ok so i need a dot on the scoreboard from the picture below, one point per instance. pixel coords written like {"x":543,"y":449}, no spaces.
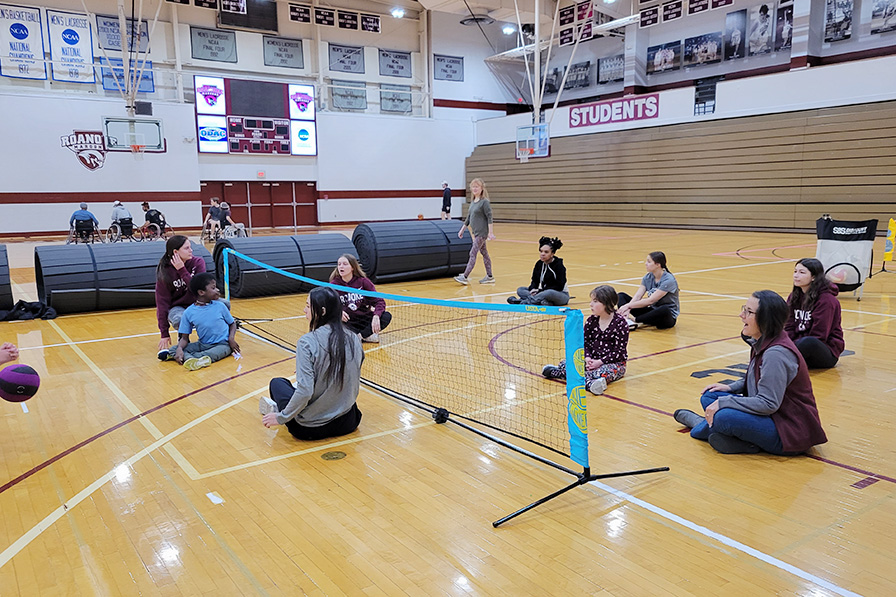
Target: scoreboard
{"x":237,"y":116}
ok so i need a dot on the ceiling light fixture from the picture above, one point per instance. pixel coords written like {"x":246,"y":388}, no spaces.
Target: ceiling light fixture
{"x":508,"y":29}
{"x":398,"y":12}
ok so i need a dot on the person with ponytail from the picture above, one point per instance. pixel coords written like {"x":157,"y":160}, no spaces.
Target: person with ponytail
{"x":656,"y":300}
{"x":548,"y":285}
{"x":324,"y":401}
{"x":173,"y":274}
{"x":814,"y":320}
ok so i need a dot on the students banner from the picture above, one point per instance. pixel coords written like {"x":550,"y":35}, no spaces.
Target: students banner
{"x":71,"y":47}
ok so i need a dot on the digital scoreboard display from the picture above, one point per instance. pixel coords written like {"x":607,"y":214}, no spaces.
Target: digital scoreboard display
{"x":237,"y":116}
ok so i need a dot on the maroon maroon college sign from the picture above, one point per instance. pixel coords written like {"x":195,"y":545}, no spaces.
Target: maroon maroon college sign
{"x":89,"y":146}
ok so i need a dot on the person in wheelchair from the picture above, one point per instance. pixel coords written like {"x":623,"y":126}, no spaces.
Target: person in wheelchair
{"x":154,"y":224}
{"x":232,"y":229}
{"x":212,"y":223}
{"x":84,"y":224}
{"x":122,"y":223}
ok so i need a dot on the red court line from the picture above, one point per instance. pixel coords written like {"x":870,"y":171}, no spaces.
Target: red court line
{"x":89,"y":440}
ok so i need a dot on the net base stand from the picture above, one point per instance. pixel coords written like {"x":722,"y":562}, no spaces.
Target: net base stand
{"x":584,"y":477}
{"x":884,"y":270}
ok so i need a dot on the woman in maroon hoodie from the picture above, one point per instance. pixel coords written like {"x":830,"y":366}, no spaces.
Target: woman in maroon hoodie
{"x":814,"y":320}
{"x":364,"y":315}
{"x":173,"y":274}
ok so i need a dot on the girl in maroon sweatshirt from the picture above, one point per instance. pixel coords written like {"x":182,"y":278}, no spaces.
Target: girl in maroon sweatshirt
{"x":364,"y":315}
{"x":175,"y":270}
{"x":814,"y":320}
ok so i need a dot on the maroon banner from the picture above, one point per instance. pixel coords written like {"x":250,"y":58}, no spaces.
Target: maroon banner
{"x":642,"y":107}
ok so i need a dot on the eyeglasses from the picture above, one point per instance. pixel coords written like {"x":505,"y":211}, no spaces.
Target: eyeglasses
{"x":744,"y":309}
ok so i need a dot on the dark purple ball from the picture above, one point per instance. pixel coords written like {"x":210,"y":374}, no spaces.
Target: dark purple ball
{"x":18,"y":383}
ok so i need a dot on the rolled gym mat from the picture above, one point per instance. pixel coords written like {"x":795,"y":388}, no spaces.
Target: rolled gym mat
{"x":311,"y":255}
{"x":98,"y":277}
{"x":5,"y":282}
{"x":411,"y":250}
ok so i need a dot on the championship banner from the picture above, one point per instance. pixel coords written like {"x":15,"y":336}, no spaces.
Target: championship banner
{"x":577,"y":407}
{"x":71,"y":46}
{"x":891,"y":240}
{"x":21,"y":43}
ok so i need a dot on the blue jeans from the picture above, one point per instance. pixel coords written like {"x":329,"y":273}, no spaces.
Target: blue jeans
{"x":759,"y":430}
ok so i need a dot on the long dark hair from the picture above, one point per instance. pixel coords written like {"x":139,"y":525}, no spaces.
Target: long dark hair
{"x":659,"y":257}
{"x":606,"y":295}
{"x":771,"y":314}
{"x":326,"y":309}
{"x":805,"y":300}
{"x":173,"y":244}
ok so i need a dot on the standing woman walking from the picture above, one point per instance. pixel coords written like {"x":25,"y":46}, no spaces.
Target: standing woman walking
{"x":479,"y":220}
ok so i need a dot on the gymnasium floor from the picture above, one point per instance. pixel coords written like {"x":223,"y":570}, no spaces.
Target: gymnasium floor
{"x":129,"y":476}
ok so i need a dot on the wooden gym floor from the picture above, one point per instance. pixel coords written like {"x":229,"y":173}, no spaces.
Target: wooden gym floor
{"x":126,"y":476}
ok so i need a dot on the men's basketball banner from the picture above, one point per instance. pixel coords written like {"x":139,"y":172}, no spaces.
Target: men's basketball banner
{"x":21,"y":43}
{"x":891,"y":240}
{"x":643,"y":107}
{"x":71,"y":45}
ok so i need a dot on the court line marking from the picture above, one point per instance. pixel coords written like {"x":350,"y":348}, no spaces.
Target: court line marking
{"x":724,"y":540}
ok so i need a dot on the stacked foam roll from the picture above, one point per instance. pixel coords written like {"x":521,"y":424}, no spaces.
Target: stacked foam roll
{"x":5,"y":282}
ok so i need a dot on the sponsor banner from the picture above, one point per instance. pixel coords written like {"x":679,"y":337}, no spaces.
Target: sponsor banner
{"x":211,"y":132}
{"x":303,"y":137}
{"x":21,"y":43}
{"x":210,"y":95}
{"x":71,"y":47}
{"x":301,"y":102}
{"x":628,"y":109}
{"x":108,"y":33}
{"x":114,"y":69}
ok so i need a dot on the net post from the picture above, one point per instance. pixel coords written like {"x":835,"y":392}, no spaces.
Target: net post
{"x":226,"y":253}
{"x":577,"y":404}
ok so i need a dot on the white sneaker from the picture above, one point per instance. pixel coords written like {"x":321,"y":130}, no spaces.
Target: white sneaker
{"x":487,"y":280}
{"x":195,"y":364}
{"x":462,"y":279}
{"x":267,"y":406}
{"x":374,"y":338}
{"x":598,"y":386}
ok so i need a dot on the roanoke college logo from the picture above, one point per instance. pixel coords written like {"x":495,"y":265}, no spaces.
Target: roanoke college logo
{"x":210,"y":93}
{"x":89,"y":146}
{"x":302,"y":100}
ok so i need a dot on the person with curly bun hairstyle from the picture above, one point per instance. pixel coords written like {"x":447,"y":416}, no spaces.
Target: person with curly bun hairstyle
{"x":548,"y":285}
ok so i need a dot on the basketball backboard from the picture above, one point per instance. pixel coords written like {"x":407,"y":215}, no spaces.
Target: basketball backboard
{"x":533,"y":141}
{"x":121,"y":133}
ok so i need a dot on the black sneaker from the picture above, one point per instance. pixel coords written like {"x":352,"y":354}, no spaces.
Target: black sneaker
{"x":728,"y":444}
{"x":551,"y":372}
{"x":514,"y":300}
{"x":164,"y":355}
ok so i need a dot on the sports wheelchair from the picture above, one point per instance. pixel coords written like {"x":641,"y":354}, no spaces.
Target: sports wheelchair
{"x":152,"y":231}
{"x":122,"y":229}
{"x":84,"y":231}
{"x":235,"y":231}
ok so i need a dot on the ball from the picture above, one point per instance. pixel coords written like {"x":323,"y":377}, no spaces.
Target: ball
{"x":419,"y":216}
{"x":18,"y":383}
{"x":837,"y":275}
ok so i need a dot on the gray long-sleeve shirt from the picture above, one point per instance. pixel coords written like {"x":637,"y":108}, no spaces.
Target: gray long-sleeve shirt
{"x":316,"y":400}
{"x":479,"y":217}
{"x":779,"y":367}
{"x":120,"y":212}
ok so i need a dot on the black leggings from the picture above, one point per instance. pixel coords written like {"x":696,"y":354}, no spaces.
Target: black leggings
{"x":282,"y":390}
{"x":364,"y":327}
{"x":660,"y":316}
{"x":816,"y":353}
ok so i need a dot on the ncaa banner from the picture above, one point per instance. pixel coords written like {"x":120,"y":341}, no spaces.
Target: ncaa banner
{"x":891,"y":240}
{"x":71,"y":47}
{"x":21,"y":43}
{"x":577,"y":408}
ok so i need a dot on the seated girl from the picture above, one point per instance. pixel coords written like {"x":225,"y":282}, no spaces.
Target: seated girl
{"x":548,"y":286}
{"x":606,"y":342}
{"x":364,"y":315}
{"x":773,"y":409}
{"x":814,"y":320}
{"x":656,"y":300}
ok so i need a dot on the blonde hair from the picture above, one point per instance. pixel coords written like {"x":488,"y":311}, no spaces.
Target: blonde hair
{"x":481,"y":184}
{"x":352,"y":261}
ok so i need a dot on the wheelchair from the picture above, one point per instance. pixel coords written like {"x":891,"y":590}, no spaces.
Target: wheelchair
{"x":208,"y":236}
{"x":84,"y":231}
{"x":153,"y":231}
{"x":235,"y":231}
{"x":120,"y":230}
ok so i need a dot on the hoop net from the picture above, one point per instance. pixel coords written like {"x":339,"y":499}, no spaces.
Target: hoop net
{"x":523,"y":153}
{"x":138,"y":151}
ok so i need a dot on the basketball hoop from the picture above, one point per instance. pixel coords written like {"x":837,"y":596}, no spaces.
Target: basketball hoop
{"x":138,"y":151}
{"x":523,"y":153}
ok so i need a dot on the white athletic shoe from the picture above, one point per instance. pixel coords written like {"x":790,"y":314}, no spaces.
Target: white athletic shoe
{"x":195,"y":364}
{"x":267,"y":406}
{"x":487,"y":280}
{"x":462,"y":279}
{"x":372,"y":338}
{"x":598,"y":386}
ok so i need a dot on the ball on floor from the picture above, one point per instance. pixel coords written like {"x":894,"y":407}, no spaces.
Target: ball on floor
{"x":18,"y":383}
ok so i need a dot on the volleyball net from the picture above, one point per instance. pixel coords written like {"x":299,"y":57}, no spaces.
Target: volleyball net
{"x":476,"y":362}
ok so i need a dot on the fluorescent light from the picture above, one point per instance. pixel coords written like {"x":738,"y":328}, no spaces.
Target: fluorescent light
{"x":508,"y":29}
{"x":398,"y":12}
